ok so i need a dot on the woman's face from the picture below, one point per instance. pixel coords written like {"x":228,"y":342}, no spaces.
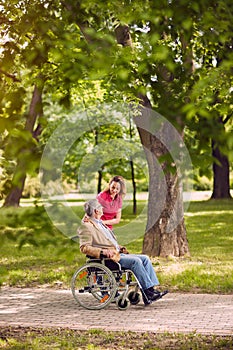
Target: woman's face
{"x":114,"y":188}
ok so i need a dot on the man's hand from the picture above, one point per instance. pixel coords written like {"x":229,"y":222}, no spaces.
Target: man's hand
{"x":124,"y":250}
{"x":108,"y":253}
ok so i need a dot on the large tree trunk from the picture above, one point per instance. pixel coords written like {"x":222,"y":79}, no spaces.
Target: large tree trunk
{"x":19,"y":177}
{"x":165,"y":231}
{"x":221,"y":172}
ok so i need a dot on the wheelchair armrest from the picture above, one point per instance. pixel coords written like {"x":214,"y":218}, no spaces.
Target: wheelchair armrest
{"x":93,"y":259}
{"x":112,"y":265}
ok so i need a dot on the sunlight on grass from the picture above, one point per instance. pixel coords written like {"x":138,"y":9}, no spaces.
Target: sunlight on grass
{"x":204,"y":213}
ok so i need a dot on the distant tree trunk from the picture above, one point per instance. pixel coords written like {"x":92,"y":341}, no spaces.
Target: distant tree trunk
{"x":221,"y":172}
{"x":99,"y":184}
{"x":19,"y":177}
{"x":221,"y":168}
{"x":15,"y":194}
{"x":132,"y":172}
{"x":134,"y":187}
{"x":100,"y":171}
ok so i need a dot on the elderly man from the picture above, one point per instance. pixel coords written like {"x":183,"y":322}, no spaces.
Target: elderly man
{"x":98,"y":241}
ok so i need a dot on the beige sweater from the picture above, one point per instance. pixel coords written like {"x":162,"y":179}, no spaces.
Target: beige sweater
{"x":93,"y":240}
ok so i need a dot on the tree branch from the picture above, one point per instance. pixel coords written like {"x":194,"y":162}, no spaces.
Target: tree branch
{"x":11,"y":76}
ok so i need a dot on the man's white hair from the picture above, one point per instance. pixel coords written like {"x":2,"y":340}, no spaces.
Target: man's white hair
{"x":90,"y":206}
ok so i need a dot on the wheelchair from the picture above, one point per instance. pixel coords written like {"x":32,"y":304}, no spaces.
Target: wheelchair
{"x":102,"y":281}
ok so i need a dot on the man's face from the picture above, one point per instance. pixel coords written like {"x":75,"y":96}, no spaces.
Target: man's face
{"x":99,"y":211}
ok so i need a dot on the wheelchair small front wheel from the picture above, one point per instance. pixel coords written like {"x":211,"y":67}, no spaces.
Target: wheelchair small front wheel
{"x":134,"y":297}
{"x":122,"y":303}
{"x":93,"y":286}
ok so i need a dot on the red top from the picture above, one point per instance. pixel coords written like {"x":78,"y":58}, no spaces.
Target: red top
{"x":110,"y":206}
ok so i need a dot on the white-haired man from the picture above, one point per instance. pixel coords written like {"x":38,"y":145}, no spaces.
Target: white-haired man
{"x":98,"y":241}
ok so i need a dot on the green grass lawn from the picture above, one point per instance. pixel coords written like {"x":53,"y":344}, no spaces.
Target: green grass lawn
{"x":210,"y":235}
{"x":96,"y":339}
{"x":47,"y":257}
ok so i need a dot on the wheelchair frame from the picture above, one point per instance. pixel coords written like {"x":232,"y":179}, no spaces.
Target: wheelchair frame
{"x":102,"y":281}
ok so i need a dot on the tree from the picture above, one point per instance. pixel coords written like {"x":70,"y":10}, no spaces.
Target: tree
{"x":211,"y":96}
{"x":22,"y":61}
{"x":176,"y":81}
{"x":221,"y":174}
{"x":165,"y":231}
{"x":32,"y":63}
{"x":181,"y":49}
{"x":24,"y":157}
{"x":221,"y":166}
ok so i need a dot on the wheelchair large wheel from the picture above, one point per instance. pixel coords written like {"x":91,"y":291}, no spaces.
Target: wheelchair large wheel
{"x":93,"y":286}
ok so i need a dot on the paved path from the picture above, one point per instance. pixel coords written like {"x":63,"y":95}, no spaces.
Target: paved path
{"x":185,"y":313}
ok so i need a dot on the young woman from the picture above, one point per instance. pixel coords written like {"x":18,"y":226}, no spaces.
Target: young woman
{"x":111,"y":200}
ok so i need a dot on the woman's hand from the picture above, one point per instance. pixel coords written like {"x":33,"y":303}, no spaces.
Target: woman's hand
{"x":85,"y":218}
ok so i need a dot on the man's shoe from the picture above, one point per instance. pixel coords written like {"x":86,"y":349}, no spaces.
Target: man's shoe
{"x":157,"y":296}
{"x":151,"y":289}
{"x":145,"y":299}
{"x":153,"y":295}
{"x":147,"y":296}
{"x":160,"y":294}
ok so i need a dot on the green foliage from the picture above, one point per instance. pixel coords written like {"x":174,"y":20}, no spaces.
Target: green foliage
{"x":32,"y":188}
{"x":72,"y":48}
{"x":37,"y":253}
{"x":202,"y":183}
